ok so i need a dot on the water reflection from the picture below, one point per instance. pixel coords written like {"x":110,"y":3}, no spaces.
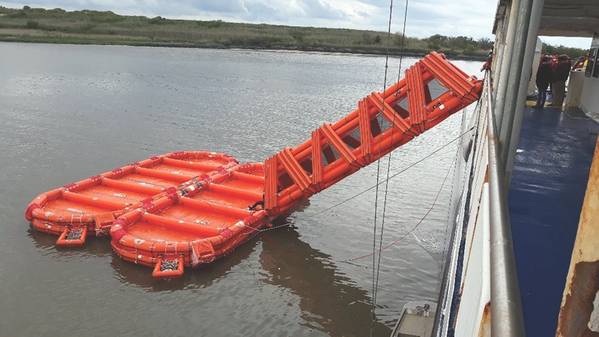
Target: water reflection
{"x":94,"y":246}
{"x":329,"y":300}
{"x":141,"y":276}
{"x":197,"y":278}
{"x":286,"y":261}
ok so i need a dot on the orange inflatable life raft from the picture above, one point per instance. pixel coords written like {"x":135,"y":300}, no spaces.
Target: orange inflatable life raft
{"x":198,"y":224}
{"x":194,"y":225}
{"x":175,"y":212}
{"x":89,"y":206}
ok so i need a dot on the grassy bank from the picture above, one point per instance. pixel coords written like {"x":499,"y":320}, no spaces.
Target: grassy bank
{"x":94,"y":27}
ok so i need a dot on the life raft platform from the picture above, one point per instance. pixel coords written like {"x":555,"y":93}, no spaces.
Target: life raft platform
{"x":184,"y":209}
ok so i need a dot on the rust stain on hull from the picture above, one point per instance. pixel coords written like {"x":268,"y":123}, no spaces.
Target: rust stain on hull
{"x":576,"y":312}
{"x":485,"y":322}
{"x":578,"y":315}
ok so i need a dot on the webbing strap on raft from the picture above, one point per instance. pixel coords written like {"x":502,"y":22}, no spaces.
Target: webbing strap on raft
{"x":379,"y":125}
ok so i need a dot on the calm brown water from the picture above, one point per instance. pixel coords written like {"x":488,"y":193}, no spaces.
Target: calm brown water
{"x":69,"y":112}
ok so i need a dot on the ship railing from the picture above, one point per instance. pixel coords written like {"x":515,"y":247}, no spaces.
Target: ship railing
{"x":480,"y":294}
{"x":506,"y":306}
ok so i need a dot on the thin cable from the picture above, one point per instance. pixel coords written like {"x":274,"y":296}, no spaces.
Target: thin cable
{"x":417,"y":239}
{"x":376,"y":201}
{"x":403,"y":40}
{"x":476,"y":112}
{"x":394,"y":242}
{"x":378,"y":170}
{"x":449,"y":209}
{"x":390,"y":153}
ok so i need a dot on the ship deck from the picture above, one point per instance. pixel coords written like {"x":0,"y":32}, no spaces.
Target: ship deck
{"x":545,"y":199}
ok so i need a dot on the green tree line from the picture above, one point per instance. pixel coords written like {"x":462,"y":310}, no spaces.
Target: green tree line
{"x":105,"y":27}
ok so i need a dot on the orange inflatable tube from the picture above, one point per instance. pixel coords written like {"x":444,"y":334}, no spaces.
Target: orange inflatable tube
{"x":94,"y":203}
{"x":197,"y":224}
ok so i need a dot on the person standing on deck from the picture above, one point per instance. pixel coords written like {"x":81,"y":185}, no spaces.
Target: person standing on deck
{"x":558,"y":86}
{"x":544,"y":77}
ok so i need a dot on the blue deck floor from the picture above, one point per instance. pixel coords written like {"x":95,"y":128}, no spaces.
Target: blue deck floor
{"x":548,"y":185}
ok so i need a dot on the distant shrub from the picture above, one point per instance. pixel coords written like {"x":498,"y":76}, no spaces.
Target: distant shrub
{"x":17,"y":14}
{"x":298,"y":35}
{"x":469,"y":49}
{"x":157,"y":20}
{"x":56,"y":13}
{"x":106,"y":17}
{"x":87,"y":27}
{"x":485,"y":43}
{"x":210,"y":24}
{"x":31,"y":24}
{"x":570,"y":51}
{"x":26,"y":8}
{"x":399,"y":39}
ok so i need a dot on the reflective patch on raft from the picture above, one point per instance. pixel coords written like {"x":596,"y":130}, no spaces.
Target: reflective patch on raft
{"x":169,"y":265}
{"x":74,"y":234}
{"x":74,"y":210}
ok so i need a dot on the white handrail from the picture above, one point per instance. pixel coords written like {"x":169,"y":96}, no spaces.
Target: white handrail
{"x":506,"y":307}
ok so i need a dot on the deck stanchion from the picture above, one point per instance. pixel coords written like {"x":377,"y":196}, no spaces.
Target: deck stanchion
{"x":531,"y":42}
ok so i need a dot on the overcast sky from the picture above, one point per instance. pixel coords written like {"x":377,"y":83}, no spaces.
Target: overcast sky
{"x":425,"y":17}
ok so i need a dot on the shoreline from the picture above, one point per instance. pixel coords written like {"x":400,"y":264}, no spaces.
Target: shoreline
{"x":317,"y":49}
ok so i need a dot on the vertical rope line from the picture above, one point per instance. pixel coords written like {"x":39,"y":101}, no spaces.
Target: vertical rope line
{"x":376,"y":197}
{"x":449,"y":212}
{"x":403,"y":40}
{"x":386,"y":190}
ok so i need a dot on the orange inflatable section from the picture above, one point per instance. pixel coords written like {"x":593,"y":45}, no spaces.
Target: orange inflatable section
{"x":189,"y":208}
{"x":89,"y":206}
{"x":381,"y":123}
{"x":194,"y":225}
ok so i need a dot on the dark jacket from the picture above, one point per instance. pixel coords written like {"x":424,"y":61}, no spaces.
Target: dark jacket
{"x":562,"y":71}
{"x":544,"y":74}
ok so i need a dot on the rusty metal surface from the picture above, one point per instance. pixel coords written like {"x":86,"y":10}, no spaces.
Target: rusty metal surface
{"x":579,"y":313}
{"x":576,"y":311}
{"x":485,"y":322}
